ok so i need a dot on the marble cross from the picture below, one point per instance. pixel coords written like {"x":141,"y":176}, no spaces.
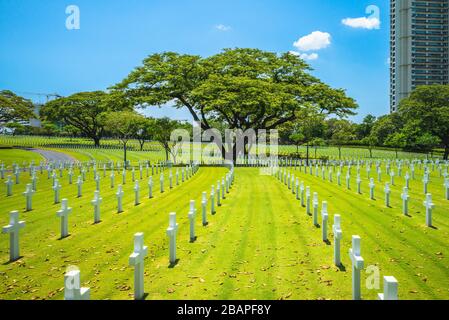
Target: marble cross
{"x":72,"y":287}
{"x":172,"y":230}
{"x":119,"y":196}
{"x":136,"y":193}
{"x":359,"y":181}
{"x":64,"y":215}
{"x":315,"y":209}
{"x":212,"y":201}
{"x":338,"y":234}
{"x":387,"y":191}
{"x":136,"y":259}
{"x":17,"y":175}
{"x":446,"y":188}
{"x":348,"y":181}
{"x":70,"y":176}
{"x":28,"y":194}
{"x":405,"y":198}
{"x":97,"y":182}
{"x":425,"y":183}
{"x":9,"y":183}
{"x":112,"y":179}
{"x":34,"y":181}
{"x":429,"y":205}
{"x":13,"y":229}
{"x":371,"y":188}
{"x":392,"y":177}
{"x":218,"y":194}
{"x":390,"y":289}
{"x":161,"y":180}
{"x":150,"y":187}
{"x":357,"y":266}
{"x":324,"y":218}
{"x":192,"y":216}
{"x":80,"y":186}
{"x":96,"y":202}
{"x":204,"y":208}
{"x":308,"y":200}
{"x":57,"y":188}
{"x":407,"y":180}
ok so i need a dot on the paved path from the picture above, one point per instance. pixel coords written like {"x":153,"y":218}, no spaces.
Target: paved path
{"x":53,"y":156}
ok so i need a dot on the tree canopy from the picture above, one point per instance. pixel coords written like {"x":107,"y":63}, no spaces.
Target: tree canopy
{"x":84,"y":110}
{"x":428,"y":108}
{"x":14,"y":108}
{"x":244,"y":88}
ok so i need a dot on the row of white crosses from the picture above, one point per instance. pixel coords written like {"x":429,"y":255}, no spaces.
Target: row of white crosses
{"x":172,"y":229}
{"x":390,"y":283}
{"x":428,"y":204}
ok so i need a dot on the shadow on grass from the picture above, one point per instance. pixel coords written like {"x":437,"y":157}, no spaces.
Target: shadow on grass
{"x":12,"y":261}
{"x":327,"y":242}
{"x":341,"y":267}
{"x":172,"y":265}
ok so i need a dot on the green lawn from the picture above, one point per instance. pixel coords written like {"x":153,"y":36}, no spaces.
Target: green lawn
{"x":259,"y":245}
{"x":9,"y":156}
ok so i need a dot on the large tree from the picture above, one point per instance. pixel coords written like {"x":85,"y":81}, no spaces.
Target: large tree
{"x":124,"y":125}
{"x":340,"y":132}
{"x":84,"y":111}
{"x":14,"y":108}
{"x":161,"y":131}
{"x":244,"y":88}
{"x":428,"y":107}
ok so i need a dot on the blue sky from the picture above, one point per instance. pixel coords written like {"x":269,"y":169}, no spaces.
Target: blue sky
{"x":39,"y":54}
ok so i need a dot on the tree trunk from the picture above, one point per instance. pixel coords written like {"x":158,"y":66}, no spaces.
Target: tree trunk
{"x":446,"y":152}
{"x":97,"y":142}
{"x":307,"y":156}
{"x":370,"y":153}
{"x":339,"y":153}
{"x":166,"y":154}
{"x":124,"y":154}
{"x":141,"y":144}
{"x":315,"y":151}
{"x":396,"y":153}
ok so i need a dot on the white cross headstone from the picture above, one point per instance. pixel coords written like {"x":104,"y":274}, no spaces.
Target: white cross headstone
{"x":97,"y":183}
{"x":204,"y":208}
{"x":371,"y":188}
{"x":119,"y":195}
{"x":348,"y":181}
{"x":112,"y":179}
{"x":218,"y":194}
{"x":297,"y":189}
{"x":57,"y":188}
{"x":2,"y":171}
{"x":170,"y":179}
{"x":80,"y":187}
{"x":133,"y":175}
{"x":172,"y":230}
{"x":70,"y":176}
{"x":124,"y":176}
{"x":136,"y":259}
{"x":28,"y":194}
{"x":446,"y":188}
{"x":405,"y":198}
{"x":64,"y":215}
{"x":407,"y":180}
{"x":392,"y":177}
{"x":315,"y":209}
{"x":359,"y":181}
{"x":9,"y":183}
{"x":136,"y":193}
{"x":192,"y":216}
{"x":387,"y":194}
{"x":425,"y":183}
{"x":429,"y":205}
{"x":17,"y":175}
{"x":96,"y":202}
{"x":301,"y":188}
{"x":150,"y":187}
{"x":338,"y":234}
{"x":308,"y":200}
{"x":72,"y":287}
{"x":324,"y":218}
{"x":223,"y":189}
{"x":357,"y":266}
{"x":13,"y":229}
{"x":390,"y":289}
{"x":212,"y":201}
{"x":161,"y":179}
{"x":339,"y":177}
{"x":379,"y":174}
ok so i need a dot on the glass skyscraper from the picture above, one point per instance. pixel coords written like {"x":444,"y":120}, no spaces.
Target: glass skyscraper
{"x":419,"y":46}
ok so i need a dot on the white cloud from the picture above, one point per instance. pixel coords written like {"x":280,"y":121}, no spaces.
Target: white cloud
{"x":315,"y":41}
{"x":222,"y":27}
{"x":362,"y":23}
{"x":305,"y":56}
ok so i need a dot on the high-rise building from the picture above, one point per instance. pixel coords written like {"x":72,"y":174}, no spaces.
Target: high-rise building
{"x":418,"y":46}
